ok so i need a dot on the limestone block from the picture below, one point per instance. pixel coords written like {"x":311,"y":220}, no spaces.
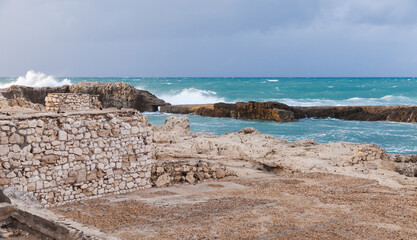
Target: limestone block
{"x":163,"y":180}
{"x":49,"y":159}
{"x":16,"y":138}
{"x":78,"y":151}
{"x":92,"y":176}
{"x":62,"y":135}
{"x":4,"y":150}
{"x":81,"y":176}
{"x":103,"y":133}
{"x":220,"y":173}
{"x":190,"y":177}
{"x":4,"y":181}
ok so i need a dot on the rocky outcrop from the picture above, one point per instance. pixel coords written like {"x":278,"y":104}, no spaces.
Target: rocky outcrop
{"x":118,"y":95}
{"x":32,"y":94}
{"x":174,"y":140}
{"x":251,"y":110}
{"x":283,"y":113}
{"x":361,"y":113}
{"x":18,"y":103}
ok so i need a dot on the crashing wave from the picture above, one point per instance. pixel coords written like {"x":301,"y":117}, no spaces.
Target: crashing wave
{"x":37,"y":79}
{"x":192,"y":96}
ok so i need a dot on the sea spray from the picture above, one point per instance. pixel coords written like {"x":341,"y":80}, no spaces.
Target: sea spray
{"x":37,"y":79}
{"x":192,"y":96}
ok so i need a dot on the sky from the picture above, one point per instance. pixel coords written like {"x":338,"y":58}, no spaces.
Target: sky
{"x":216,"y":38}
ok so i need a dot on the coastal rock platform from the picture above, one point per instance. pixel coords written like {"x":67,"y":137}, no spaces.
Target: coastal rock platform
{"x":174,"y":140}
{"x":283,"y":113}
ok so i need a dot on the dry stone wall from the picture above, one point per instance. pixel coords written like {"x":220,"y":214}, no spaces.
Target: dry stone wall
{"x":75,"y":155}
{"x":71,"y":101}
{"x":192,"y":171}
{"x":366,"y":154}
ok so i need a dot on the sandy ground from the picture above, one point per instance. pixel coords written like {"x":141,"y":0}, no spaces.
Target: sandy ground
{"x":280,"y":205}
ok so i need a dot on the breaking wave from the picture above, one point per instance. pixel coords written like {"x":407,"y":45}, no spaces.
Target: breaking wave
{"x":192,"y":96}
{"x":387,"y":100}
{"x":37,"y":79}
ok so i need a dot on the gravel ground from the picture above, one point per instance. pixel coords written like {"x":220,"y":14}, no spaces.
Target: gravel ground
{"x":283,"y":206}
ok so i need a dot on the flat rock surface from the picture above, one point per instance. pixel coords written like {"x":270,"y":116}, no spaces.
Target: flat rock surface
{"x":269,"y":206}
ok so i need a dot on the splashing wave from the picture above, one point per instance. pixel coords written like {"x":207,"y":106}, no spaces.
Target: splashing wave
{"x":37,"y":79}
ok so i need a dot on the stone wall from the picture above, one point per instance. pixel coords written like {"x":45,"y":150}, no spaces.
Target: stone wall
{"x":366,"y":154}
{"x":71,"y":101}
{"x":76,"y":155}
{"x":192,"y":171}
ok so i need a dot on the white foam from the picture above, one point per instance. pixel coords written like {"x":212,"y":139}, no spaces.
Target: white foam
{"x":273,"y":80}
{"x":387,"y":100}
{"x":37,"y":79}
{"x":192,"y":96}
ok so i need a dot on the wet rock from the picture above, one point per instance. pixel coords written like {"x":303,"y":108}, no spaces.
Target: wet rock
{"x":251,"y":110}
{"x":283,"y":113}
{"x":361,"y":113}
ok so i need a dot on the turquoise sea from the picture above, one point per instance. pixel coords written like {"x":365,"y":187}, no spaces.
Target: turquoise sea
{"x":394,"y":137}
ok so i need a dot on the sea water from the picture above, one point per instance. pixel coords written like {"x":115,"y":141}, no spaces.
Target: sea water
{"x":394,"y":137}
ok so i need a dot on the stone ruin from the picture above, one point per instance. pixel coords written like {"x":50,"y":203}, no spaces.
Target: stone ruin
{"x":71,"y":101}
{"x":68,"y":154}
{"x":75,"y":155}
{"x":73,"y":150}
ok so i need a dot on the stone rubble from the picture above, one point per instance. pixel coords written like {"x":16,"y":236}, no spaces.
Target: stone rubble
{"x":192,"y":171}
{"x":365,"y":154}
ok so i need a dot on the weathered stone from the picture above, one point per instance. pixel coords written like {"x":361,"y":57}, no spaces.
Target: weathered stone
{"x":163,"y":180}
{"x":100,"y":174}
{"x":31,"y":187}
{"x":220,"y":173}
{"x":160,"y":170}
{"x":103,"y":133}
{"x":70,"y":180}
{"x":81,"y":176}
{"x":4,"y":181}
{"x":190,"y":177}
{"x":200,"y":176}
{"x":92,"y":176}
{"x":4,"y":150}
{"x":115,"y":132}
{"x":78,"y":151}
{"x":16,"y":139}
{"x":50,"y":159}
{"x":62,"y":136}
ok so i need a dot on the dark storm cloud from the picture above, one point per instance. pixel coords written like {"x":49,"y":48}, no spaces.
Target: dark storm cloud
{"x":209,"y":38}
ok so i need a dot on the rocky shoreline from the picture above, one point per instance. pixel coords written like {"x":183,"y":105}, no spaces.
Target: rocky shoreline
{"x":280,"y":112}
{"x":65,"y":150}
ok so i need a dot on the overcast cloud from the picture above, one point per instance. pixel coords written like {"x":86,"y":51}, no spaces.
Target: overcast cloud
{"x":209,"y":38}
